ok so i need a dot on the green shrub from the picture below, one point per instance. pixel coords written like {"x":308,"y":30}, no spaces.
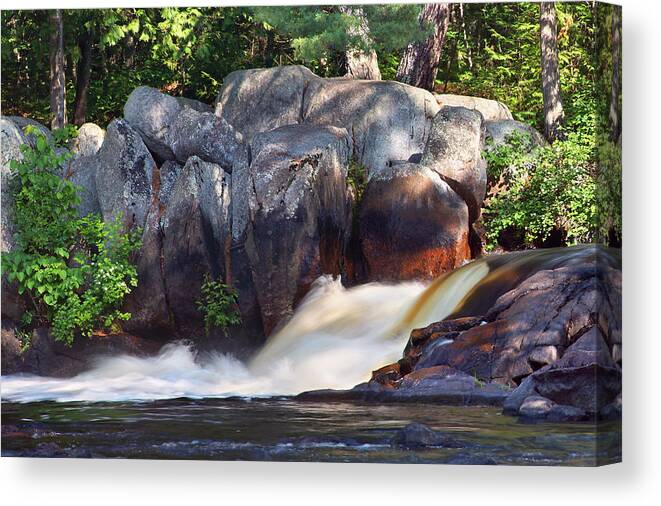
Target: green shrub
{"x":535,"y":191}
{"x":75,"y":272}
{"x":609,"y":190}
{"x":218,"y":305}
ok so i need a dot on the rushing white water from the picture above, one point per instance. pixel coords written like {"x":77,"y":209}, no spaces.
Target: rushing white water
{"x":335,"y":339}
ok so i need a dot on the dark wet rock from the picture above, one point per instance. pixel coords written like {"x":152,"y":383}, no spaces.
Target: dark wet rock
{"x":564,"y":413}
{"x":183,"y":241}
{"x":47,"y":357}
{"x":412,"y":225}
{"x":454,"y":150}
{"x":417,"y":435}
{"x":549,"y":309}
{"x":515,"y":399}
{"x":259,"y":100}
{"x":536,"y":406}
{"x":612,"y":411}
{"x":295,"y":213}
{"x":123,"y":175}
{"x":491,"y":110}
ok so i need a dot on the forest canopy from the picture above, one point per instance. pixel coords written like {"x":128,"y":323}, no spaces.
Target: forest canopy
{"x":558,"y":72}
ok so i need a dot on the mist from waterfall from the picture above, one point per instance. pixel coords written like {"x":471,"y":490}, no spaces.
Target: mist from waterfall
{"x":335,"y":339}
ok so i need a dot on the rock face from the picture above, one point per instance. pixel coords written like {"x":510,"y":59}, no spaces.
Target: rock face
{"x":123,"y":177}
{"x":259,"y":100}
{"x":151,"y":113}
{"x":185,"y":231}
{"x":547,"y":349}
{"x":498,"y":131}
{"x":412,"y":225}
{"x":454,"y":150}
{"x":89,"y":140}
{"x":491,"y":110}
{"x":81,"y":171}
{"x":296,"y":215}
{"x":47,"y":357}
{"x":204,"y":135}
{"x":11,"y":139}
{"x":387,"y":121}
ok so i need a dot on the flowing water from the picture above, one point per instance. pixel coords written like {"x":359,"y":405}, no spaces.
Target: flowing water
{"x":336,"y":337}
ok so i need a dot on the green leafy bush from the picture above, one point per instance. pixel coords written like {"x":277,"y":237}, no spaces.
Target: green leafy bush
{"x":218,"y":305}
{"x":75,"y":272}
{"x":534,"y":191}
{"x":609,"y":191}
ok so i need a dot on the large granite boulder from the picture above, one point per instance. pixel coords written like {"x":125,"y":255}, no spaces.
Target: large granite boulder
{"x":185,"y":238}
{"x":412,"y":225}
{"x":491,"y":110}
{"x":81,"y":171}
{"x":123,"y":176}
{"x":205,"y":135}
{"x":530,"y":326}
{"x":454,"y":150}
{"x":11,"y":139}
{"x":259,"y":100}
{"x":88,"y":141}
{"x":291,"y":214}
{"x":195,"y":227}
{"x":152,"y":113}
{"x":498,"y":131}
{"x":387,"y":121}
{"x":549,"y":348}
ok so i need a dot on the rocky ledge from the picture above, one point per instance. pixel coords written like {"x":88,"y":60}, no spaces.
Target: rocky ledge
{"x":550,"y":349}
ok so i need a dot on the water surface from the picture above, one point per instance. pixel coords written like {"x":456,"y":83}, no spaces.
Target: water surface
{"x":289,"y":430}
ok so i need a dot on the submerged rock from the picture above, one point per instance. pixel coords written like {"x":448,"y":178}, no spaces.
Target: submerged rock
{"x":417,"y":435}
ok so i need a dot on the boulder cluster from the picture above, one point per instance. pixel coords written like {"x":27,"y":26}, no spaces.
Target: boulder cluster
{"x":550,"y":349}
{"x":289,"y":177}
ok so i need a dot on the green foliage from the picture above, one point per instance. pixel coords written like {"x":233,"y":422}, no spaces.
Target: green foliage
{"x":357,"y":179}
{"x":608,"y":193}
{"x":319,"y":33}
{"x":75,"y":271}
{"x":218,"y":305}
{"x":536,"y":191}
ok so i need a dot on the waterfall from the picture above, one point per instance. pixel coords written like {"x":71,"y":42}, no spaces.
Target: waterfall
{"x":335,"y":338}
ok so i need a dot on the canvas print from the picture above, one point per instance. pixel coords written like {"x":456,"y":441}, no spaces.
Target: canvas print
{"x":340,"y":233}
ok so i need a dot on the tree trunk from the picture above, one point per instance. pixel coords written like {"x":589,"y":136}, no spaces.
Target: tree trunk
{"x":420,"y":60}
{"x":616,"y":83}
{"x":83,"y":77}
{"x":358,"y":63}
{"x":553,"y":111}
{"x":58,"y":104}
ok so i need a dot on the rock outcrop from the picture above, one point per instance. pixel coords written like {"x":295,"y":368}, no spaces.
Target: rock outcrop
{"x":454,"y":150}
{"x":89,"y":140}
{"x":548,"y":349}
{"x":387,"y":121}
{"x":123,"y":176}
{"x":412,"y":225}
{"x":259,"y":100}
{"x":497,"y":132}
{"x":297,"y":212}
{"x":491,"y":110}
